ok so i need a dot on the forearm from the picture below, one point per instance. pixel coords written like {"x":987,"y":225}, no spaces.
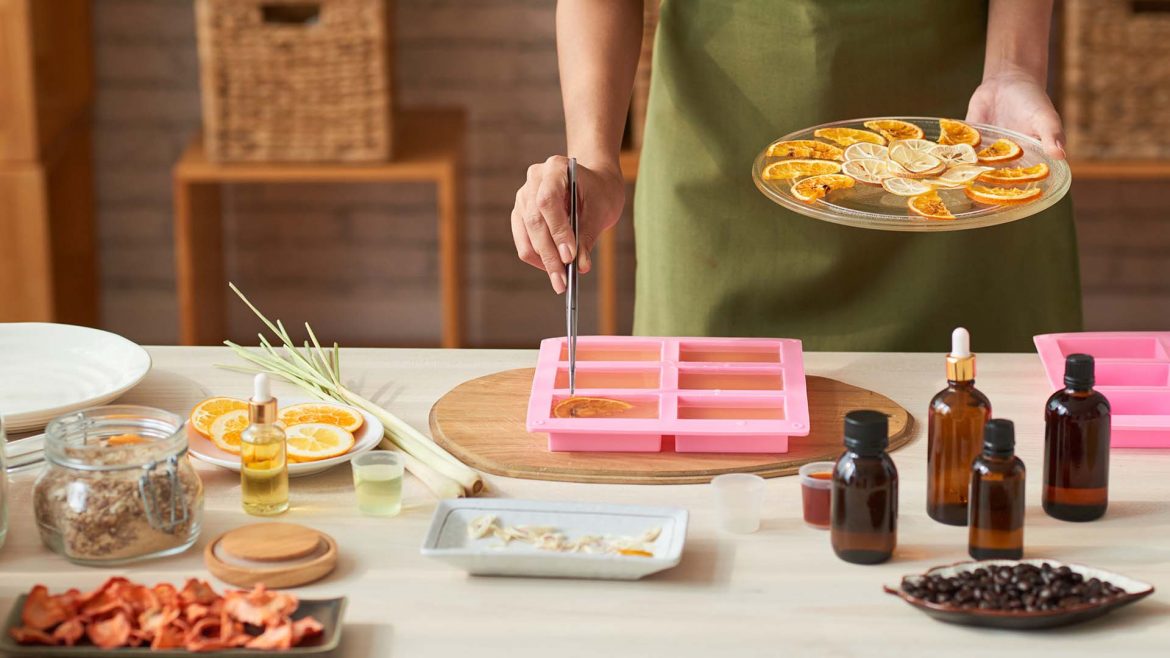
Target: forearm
{"x":1017,"y":38}
{"x":597,"y":48}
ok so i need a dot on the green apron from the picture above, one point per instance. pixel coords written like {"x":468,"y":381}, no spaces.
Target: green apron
{"x":716,"y":258}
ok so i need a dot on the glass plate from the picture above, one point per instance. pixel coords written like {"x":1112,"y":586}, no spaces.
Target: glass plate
{"x":870,"y":206}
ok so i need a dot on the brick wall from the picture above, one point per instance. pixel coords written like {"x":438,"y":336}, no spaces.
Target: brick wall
{"x":359,"y":262}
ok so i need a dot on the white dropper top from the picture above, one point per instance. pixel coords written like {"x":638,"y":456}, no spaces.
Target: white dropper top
{"x":960,"y":342}
{"x":261,"y":391}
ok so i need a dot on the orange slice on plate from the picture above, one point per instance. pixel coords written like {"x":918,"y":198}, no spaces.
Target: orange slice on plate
{"x":817,"y":187}
{"x":205,"y":413}
{"x":225,"y":430}
{"x":1001,"y":150}
{"x":582,"y":407}
{"x":957,"y":132}
{"x":804,"y":148}
{"x":1010,"y":175}
{"x":339,"y":415}
{"x":791,"y":169}
{"x":308,"y":442}
{"x":1002,"y":196}
{"x":929,"y":205}
{"x":847,"y":136}
{"x":893,"y":129}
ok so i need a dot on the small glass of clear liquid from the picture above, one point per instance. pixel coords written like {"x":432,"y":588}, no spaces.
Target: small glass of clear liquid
{"x":377,"y":477}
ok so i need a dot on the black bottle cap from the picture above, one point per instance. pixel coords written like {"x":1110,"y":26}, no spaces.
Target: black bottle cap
{"x":1078,"y":371}
{"x":867,"y":432}
{"x":999,"y":437}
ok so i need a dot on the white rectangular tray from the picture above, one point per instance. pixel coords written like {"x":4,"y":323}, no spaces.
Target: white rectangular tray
{"x":448,"y":539}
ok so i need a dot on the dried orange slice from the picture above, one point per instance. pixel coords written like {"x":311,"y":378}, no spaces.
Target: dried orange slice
{"x":805,"y":148}
{"x":893,"y":129}
{"x":929,"y":205}
{"x":790,"y":169}
{"x":225,"y":430}
{"x":315,"y":441}
{"x":207,"y":411}
{"x":871,"y":171}
{"x":1002,"y":196}
{"x":847,"y":136}
{"x":1001,"y":150}
{"x":906,"y":186}
{"x":816,"y":187}
{"x":1010,"y":175}
{"x":347,"y":418}
{"x":957,"y":132}
{"x":865,"y":151}
{"x":955,"y":154}
{"x":581,"y":407}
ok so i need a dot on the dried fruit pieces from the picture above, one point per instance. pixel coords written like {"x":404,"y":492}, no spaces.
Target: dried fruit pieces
{"x":1001,"y":150}
{"x":121,"y":613}
{"x":1010,"y":175}
{"x":930,"y":205}
{"x":847,"y":136}
{"x":804,"y":148}
{"x":893,"y":129}
{"x":957,"y":132}
{"x":582,"y":407}
{"x":817,"y":187}
{"x":1002,"y":196}
{"x":790,"y":169}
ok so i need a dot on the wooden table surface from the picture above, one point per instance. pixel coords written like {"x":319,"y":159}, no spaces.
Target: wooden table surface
{"x":780,"y":591}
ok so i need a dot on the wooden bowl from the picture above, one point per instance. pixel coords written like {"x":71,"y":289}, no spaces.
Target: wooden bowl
{"x":276,"y":554}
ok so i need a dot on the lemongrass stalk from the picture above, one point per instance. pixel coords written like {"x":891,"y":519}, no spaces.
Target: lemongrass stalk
{"x":439,"y":484}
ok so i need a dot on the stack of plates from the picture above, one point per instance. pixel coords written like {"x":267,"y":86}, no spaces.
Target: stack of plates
{"x":51,"y":369}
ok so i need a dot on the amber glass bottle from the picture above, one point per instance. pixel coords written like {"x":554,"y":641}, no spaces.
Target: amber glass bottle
{"x":954,"y":434}
{"x":997,"y":496}
{"x":1076,"y":446}
{"x":864,"y":501}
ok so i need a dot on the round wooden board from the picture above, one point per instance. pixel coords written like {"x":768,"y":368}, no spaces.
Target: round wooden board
{"x":482,"y":423}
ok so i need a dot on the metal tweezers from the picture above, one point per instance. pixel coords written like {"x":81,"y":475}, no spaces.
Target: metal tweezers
{"x":571,"y":281}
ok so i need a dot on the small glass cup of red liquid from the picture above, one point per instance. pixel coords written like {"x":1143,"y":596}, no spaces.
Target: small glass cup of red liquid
{"x":816,"y":484}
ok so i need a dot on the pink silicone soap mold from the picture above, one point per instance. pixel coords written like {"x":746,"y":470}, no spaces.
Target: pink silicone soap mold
{"x":1133,"y":372}
{"x":722,"y":395}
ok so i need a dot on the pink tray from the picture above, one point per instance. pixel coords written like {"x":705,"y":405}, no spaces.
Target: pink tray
{"x":1133,"y":371}
{"x":720,"y":395}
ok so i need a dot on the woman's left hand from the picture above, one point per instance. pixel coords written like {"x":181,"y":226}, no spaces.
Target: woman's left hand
{"x":1017,"y":101}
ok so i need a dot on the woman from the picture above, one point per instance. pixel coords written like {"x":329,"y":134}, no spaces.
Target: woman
{"x":717,"y":258}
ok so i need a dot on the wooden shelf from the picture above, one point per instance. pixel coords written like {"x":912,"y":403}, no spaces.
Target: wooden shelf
{"x":1122,"y":170}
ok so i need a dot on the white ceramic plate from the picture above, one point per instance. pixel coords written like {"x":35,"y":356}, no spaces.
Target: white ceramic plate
{"x":50,"y":369}
{"x":448,"y":539}
{"x":366,"y":438}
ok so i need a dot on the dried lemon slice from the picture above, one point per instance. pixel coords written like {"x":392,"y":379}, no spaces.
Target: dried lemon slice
{"x":790,"y":169}
{"x":960,"y":175}
{"x":905,"y":186}
{"x":916,"y":164}
{"x":929,"y":205}
{"x":816,"y":187}
{"x":865,"y":150}
{"x":918,"y":145}
{"x":955,"y":154}
{"x":893,"y":129}
{"x":805,"y":148}
{"x":847,"y":136}
{"x":867,"y":170}
{"x":582,"y":407}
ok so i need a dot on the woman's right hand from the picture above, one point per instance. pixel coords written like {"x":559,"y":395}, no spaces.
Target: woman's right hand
{"x":540,"y":220}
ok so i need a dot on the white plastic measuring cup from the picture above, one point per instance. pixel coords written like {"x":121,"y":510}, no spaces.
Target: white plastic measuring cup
{"x":739,"y":500}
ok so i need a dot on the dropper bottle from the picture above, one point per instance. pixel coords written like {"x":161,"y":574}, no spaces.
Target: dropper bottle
{"x":263,"y":461}
{"x":954,"y":435}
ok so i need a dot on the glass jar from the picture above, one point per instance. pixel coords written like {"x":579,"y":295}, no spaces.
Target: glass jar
{"x":118,"y":486}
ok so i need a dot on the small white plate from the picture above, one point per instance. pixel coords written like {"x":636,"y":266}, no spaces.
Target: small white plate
{"x":51,"y":369}
{"x":368,"y":436}
{"x":448,"y":539}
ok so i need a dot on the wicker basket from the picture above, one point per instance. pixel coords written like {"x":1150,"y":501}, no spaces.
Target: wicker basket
{"x":1117,"y":78}
{"x":295,"y":80}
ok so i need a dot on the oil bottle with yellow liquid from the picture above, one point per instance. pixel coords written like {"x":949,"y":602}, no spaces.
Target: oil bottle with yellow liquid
{"x":263,"y":460}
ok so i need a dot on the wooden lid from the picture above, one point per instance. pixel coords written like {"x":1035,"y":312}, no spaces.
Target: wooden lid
{"x":270,"y":542}
{"x":276,"y":554}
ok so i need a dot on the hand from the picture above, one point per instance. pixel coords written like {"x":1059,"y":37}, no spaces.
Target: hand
{"x":1017,"y":101}
{"x":540,"y":220}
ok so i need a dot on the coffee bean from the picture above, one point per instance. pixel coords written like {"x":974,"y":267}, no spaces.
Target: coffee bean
{"x":1022,"y":587}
